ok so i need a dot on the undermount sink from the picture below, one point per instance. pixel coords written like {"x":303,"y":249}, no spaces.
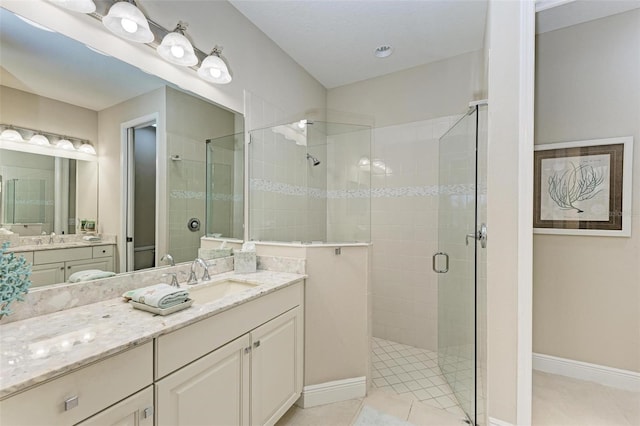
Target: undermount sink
{"x":217,"y":290}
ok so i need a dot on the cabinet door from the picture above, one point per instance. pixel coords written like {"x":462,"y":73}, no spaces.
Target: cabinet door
{"x":276,"y":367}
{"x":213,"y":390}
{"x":104,"y":264}
{"x":137,"y":410}
{"x":50,"y":273}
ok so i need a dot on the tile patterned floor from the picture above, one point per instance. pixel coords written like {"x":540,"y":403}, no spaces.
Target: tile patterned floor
{"x":412,"y":372}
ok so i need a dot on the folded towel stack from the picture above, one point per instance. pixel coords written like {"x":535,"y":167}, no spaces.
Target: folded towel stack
{"x":159,"y":296}
{"x":89,"y":274}
{"x":92,"y":238}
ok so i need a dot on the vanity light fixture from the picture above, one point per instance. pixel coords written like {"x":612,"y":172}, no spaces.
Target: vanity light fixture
{"x":127,"y":21}
{"x":82,"y":6}
{"x":65,"y":144}
{"x":87,"y":149}
{"x":11,"y":135}
{"x":214,"y":69}
{"x":38,"y":139}
{"x":176,"y":47}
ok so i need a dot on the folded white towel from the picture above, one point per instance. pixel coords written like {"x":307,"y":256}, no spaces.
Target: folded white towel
{"x":159,"y":296}
{"x":89,"y":274}
{"x":91,"y":238}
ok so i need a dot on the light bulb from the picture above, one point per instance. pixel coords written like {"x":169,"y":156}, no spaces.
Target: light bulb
{"x":215,"y":72}
{"x":128,"y":25}
{"x":177,"y":51}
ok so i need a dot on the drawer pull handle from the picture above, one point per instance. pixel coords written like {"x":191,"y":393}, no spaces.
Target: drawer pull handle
{"x":70,"y":403}
{"x":147,"y":412}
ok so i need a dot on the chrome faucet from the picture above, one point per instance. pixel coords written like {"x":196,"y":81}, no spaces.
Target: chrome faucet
{"x":168,"y":258}
{"x":205,"y":275}
{"x":53,"y":234}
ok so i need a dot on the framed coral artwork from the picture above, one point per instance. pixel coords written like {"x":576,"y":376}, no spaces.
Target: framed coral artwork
{"x":583,"y":187}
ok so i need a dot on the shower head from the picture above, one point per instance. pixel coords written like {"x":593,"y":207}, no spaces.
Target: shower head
{"x":313,"y":159}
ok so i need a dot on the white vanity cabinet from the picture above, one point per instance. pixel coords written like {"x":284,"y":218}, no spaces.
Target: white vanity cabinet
{"x":82,"y":393}
{"x":251,"y":380}
{"x":56,"y":266}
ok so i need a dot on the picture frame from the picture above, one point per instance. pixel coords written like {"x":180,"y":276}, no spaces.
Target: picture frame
{"x":583,"y":187}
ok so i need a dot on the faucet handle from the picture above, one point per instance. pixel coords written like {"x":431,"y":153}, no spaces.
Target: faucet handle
{"x":205,"y":275}
{"x":174,"y":278}
{"x":192,"y":278}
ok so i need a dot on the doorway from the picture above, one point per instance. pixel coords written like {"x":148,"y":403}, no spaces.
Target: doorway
{"x":140,"y":152}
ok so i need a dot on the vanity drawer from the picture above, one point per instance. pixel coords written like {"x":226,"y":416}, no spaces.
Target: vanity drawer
{"x":61,"y":255}
{"x":28,"y":255}
{"x":86,"y":391}
{"x":102,"y":251}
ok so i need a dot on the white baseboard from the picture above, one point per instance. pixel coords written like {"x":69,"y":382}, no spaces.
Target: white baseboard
{"x":329,"y":392}
{"x":608,"y":376}
{"x":497,"y":422}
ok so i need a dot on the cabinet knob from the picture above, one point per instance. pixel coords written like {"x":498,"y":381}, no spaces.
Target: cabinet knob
{"x":70,"y":403}
{"x":62,"y":268}
{"x":68,"y":267}
{"x":256,"y":344}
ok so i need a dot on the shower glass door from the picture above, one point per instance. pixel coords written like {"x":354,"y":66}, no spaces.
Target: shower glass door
{"x":456,"y":260}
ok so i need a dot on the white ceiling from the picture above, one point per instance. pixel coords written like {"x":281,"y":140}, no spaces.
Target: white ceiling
{"x":335,"y":40}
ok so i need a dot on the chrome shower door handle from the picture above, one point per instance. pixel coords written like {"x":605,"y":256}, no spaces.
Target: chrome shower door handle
{"x":481,"y":236}
{"x":446,"y":263}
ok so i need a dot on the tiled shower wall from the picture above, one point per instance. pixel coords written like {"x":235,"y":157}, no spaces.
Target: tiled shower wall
{"x":281,"y":180}
{"x":404,"y":220}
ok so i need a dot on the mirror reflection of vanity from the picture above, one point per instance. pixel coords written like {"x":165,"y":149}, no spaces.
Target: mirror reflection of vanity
{"x":90,"y":96}
{"x":42,"y":193}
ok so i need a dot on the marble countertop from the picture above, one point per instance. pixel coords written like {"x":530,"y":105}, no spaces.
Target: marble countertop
{"x":53,"y":246}
{"x":41,"y":348}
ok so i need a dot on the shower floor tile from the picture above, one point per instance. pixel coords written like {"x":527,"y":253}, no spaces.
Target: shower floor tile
{"x":411,"y":372}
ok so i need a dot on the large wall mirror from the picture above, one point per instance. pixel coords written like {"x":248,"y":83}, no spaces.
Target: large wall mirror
{"x":138,"y":123}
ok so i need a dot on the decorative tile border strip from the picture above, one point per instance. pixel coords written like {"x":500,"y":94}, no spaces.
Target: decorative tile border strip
{"x":187,"y":195}
{"x":199,"y":195}
{"x":403,"y":191}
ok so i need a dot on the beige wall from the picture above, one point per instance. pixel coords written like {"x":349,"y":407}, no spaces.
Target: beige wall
{"x":587,"y":289}
{"x":25,"y":109}
{"x":424,"y":92}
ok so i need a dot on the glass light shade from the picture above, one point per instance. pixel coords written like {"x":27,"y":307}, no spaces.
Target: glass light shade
{"x":214,"y":69}
{"x":87,"y":149}
{"x":82,"y":6}
{"x":177,"y":49}
{"x":11,"y":135}
{"x":39,"y":140}
{"x":127,"y":21}
{"x":65,"y":144}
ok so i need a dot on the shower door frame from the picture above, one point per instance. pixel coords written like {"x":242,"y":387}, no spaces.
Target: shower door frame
{"x":478,"y":235}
